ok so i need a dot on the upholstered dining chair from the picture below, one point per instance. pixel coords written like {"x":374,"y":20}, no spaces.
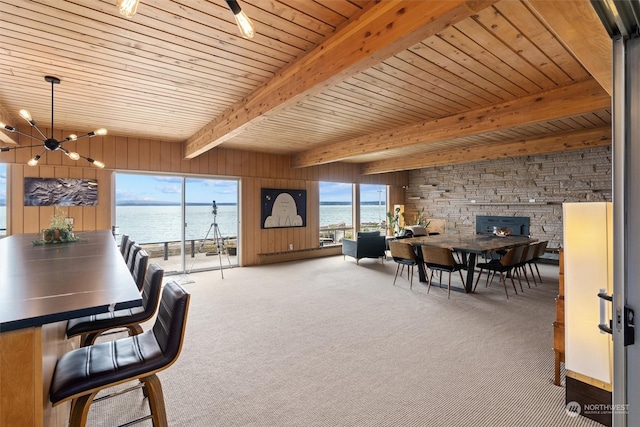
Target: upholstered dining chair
{"x":504,"y":265}
{"x":541,"y":248}
{"x":404,"y":255}
{"x":82,"y":373}
{"x":527,"y":257}
{"x":441,"y":259}
{"x":90,"y":327}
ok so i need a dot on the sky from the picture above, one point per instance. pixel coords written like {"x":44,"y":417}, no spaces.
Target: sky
{"x":157,"y":188}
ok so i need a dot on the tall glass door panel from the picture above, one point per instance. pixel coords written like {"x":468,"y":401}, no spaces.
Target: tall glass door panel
{"x":211,"y":218}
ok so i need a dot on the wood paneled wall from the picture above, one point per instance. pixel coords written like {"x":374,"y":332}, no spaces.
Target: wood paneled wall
{"x":255,"y":171}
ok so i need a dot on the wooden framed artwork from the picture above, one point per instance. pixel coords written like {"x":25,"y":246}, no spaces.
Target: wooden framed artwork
{"x":283,"y":208}
{"x":60,"y":192}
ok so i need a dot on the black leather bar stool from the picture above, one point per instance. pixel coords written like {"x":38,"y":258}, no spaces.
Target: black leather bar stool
{"x":131,"y":258}
{"x":127,"y":248}
{"x":82,"y":373}
{"x":123,"y":243}
{"x":90,"y":327}
{"x":140,"y":268}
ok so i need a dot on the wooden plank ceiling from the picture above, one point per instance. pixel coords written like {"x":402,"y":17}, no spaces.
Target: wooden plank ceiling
{"x":393,"y":85}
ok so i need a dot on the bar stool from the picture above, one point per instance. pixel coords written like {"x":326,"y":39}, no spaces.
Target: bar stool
{"x":131,"y":257}
{"x":82,"y":373}
{"x":123,"y":243}
{"x":140,"y":268}
{"x":127,"y":248}
{"x":90,"y":327}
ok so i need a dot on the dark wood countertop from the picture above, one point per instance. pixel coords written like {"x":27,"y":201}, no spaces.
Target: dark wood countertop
{"x":42,"y":284}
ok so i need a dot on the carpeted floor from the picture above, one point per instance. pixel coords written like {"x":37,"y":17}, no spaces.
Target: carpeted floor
{"x":327,"y":342}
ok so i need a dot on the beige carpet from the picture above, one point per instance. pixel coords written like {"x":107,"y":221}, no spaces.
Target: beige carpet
{"x":330,"y":343}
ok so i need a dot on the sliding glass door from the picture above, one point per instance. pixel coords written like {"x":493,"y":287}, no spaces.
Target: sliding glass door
{"x":173,"y":219}
{"x":211,"y":226}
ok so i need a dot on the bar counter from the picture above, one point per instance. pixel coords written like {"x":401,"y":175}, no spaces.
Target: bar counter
{"x":41,"y":287}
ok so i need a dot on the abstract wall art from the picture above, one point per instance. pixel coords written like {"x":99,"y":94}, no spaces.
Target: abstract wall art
{"x":60,"y":192}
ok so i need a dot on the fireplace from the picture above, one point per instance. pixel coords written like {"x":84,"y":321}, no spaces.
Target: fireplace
{"x":488,"y":224}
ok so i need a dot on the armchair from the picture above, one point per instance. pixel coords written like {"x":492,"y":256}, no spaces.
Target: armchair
{"x":367,"y":245}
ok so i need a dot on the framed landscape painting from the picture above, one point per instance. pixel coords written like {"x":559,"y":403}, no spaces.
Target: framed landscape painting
{"x":283,"y":208}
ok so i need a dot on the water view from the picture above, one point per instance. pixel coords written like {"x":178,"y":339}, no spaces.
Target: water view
{"x":154,"y":224}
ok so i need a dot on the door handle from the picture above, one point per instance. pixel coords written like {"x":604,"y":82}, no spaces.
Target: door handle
{"x":627,"y":321}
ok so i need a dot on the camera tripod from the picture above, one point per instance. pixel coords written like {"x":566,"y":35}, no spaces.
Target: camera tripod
{"x":216,"y":239}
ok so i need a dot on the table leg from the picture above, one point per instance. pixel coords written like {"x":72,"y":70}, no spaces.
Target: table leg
{"x":471,"y":267}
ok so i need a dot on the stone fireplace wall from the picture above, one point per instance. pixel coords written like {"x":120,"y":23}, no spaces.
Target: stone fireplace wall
{"x":533,"y":186}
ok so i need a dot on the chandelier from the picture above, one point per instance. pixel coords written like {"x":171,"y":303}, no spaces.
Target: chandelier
{"x":128,"y":8}
{"x":50,"y":144}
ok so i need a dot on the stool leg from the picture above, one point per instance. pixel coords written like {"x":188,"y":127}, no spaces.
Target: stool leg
{"x":80,"y":410}
{"x":156,"y":400}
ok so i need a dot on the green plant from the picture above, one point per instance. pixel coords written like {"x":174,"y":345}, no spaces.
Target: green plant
{"x":394,"y":220}
{"x":59,"y":220}
{"x":419,"y":219}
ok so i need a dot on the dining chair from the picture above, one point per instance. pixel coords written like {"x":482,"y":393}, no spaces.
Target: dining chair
{"x":504,"y":265}
{"x":403,"y":254}
{"x":91,"y":327}
{"x":82,"y":373}
{"x":541,"y":248}
{"x":527,"y":256}
{"x":441,"y":259}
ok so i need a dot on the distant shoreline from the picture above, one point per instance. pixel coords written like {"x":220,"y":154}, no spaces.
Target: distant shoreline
{"x":135,"y":203}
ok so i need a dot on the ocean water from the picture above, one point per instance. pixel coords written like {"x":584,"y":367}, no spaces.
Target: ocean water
{"x":151,"y":224}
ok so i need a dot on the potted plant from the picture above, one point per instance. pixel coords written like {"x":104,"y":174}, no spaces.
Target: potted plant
{"x":60,"y":229}
{"x":394,"y":221}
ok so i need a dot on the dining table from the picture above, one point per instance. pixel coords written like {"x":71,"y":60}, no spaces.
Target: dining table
{"x":469,"y":246}
{"x":41,"y":287}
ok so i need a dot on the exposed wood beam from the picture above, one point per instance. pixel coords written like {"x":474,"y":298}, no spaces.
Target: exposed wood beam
{"x":576,"y":23}
{"x":7,"y":119}
{"x":380,"y":31}
{"x":578,"y":98}
{"x":566,"y":141}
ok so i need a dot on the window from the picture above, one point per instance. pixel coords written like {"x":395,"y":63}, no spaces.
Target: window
{"x":336,"y":212}
{"x":373,"y":201}
{"x":152,"y":210}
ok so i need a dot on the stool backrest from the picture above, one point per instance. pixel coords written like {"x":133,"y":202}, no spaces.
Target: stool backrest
{"x":140,"y":268}
{"x":123,"y":243}
{"x":152,"y":288}
{"x":127,"y":249}
{"x":171,"y":321}
{"x":131,"y":259}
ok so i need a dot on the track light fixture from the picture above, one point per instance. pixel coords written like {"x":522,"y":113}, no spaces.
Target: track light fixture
{"x":51,"y":144}
{"x":127,"y":8}
{"x":244,"y":23}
